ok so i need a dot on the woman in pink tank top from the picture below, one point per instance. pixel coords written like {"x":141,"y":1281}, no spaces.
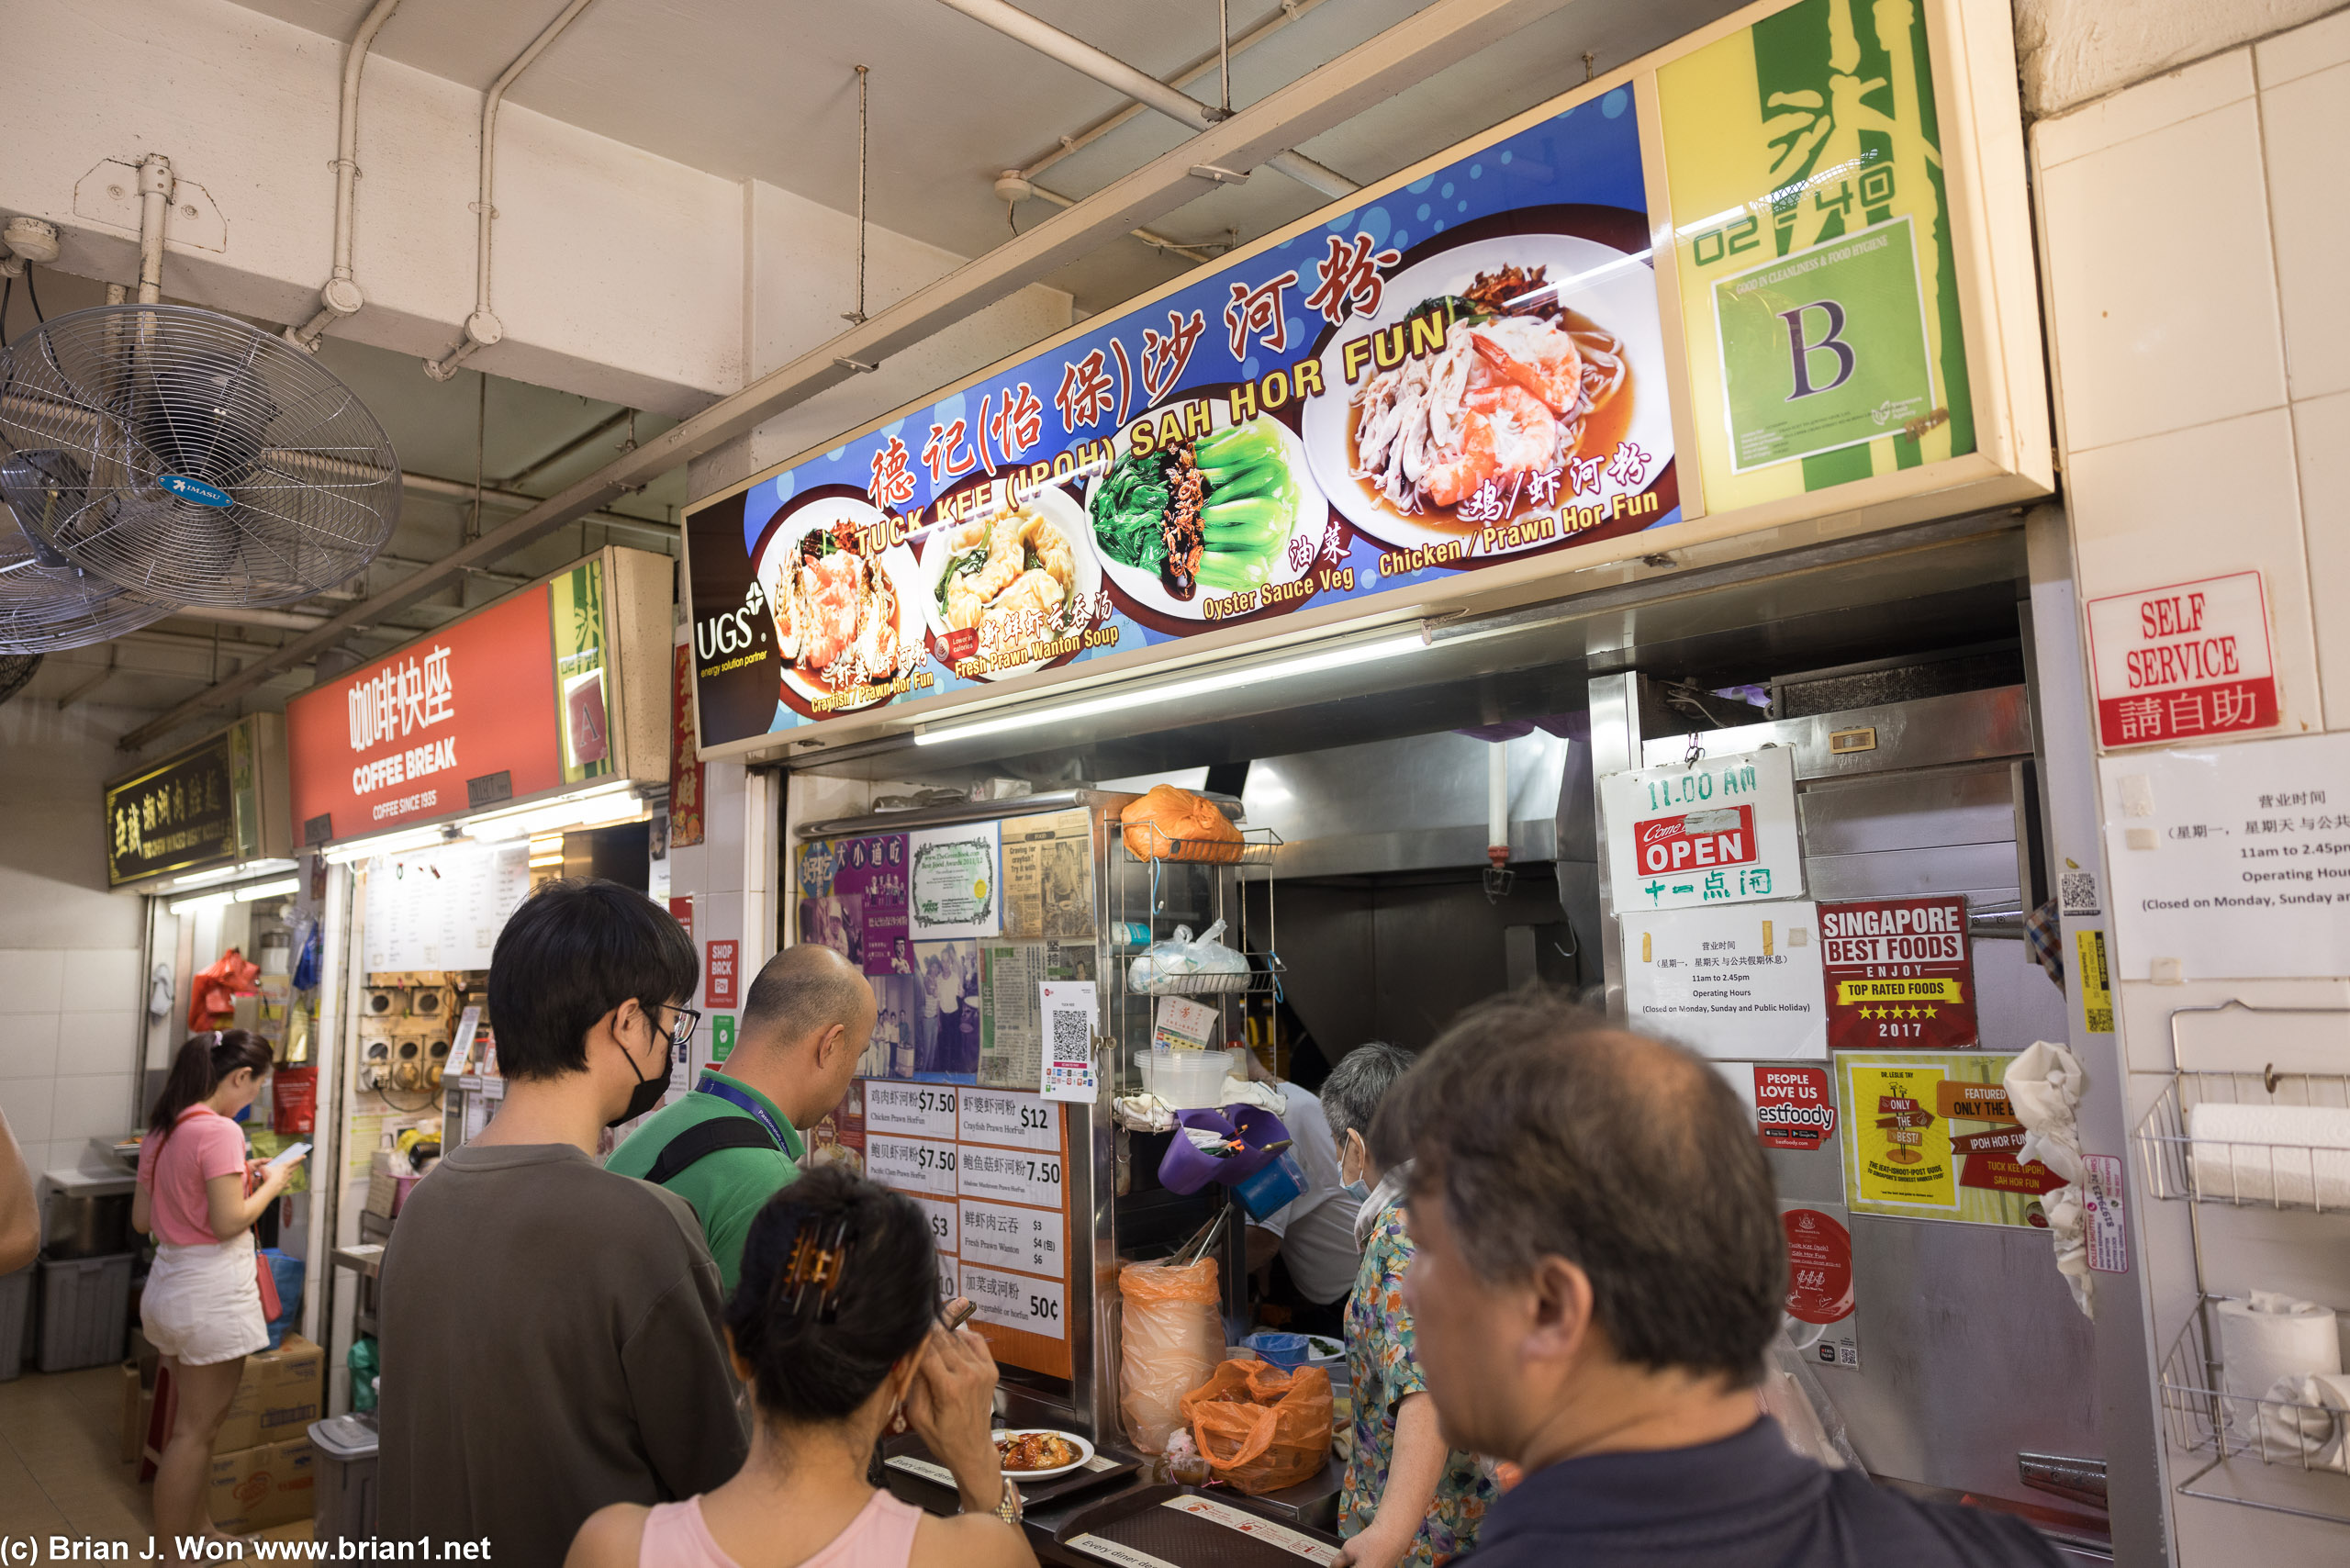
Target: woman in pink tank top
{"x":834,"y":1327}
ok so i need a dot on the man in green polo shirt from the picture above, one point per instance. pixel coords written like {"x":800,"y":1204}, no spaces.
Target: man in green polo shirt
{"x":734,"y":1142}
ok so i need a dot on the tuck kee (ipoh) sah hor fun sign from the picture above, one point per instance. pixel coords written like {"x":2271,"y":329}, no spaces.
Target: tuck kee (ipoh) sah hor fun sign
{"x":1467,"y":381}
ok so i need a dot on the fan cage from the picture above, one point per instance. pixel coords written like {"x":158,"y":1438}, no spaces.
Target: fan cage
{"x":146,"y":398}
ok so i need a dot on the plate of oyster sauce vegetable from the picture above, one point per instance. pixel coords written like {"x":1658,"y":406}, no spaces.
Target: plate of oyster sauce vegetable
{"x":1201,"y":520}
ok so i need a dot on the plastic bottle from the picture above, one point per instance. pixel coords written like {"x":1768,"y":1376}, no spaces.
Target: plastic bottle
{"x":363,"y":1370}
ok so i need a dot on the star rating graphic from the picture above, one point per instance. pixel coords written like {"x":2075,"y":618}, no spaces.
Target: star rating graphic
{"x":1899,"y":1012}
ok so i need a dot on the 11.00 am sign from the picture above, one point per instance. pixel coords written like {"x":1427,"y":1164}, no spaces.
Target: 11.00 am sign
{"x":1715,"y":831}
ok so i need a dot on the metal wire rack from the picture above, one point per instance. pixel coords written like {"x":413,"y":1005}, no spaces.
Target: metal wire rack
{"x":1195,"y":883}
{"x":2203,"y":1416}
{"x":2193,"y":1147}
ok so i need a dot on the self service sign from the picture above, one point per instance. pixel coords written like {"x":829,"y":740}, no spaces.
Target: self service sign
{"x":1714,"y":831}
{"x":2183,"y":661}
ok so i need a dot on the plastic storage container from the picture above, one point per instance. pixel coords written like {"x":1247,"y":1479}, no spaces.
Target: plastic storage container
{"x":1186,"y":1080}
{"x":84,"y":1308}
{"x":15,"y":1313}
{"x":347,"y":1448}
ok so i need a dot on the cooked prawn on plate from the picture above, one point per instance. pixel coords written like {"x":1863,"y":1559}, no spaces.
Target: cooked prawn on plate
{"x":837,"y":609}
{"x":1506,"y":395}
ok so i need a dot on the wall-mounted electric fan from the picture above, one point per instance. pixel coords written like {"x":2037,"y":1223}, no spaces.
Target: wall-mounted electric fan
{"x":190,"y":458}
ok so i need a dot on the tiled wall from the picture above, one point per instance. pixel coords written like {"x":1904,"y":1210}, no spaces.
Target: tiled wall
{"x":65,"y":1055}
{"x":2196,"y":228}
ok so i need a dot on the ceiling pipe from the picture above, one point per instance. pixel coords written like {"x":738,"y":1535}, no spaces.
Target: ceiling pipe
{"x":458,"y":489}
{"x":155,"y":185}
{"x":602,"y":427}
{"x":1291,"y":11}
{"x":282,"y":620}
{"x":1142,"y":87}
{"x":1012,"y":187}
{"x":483,"y":328}
{"x":340,"y":297}
{"x":1440,"y":34}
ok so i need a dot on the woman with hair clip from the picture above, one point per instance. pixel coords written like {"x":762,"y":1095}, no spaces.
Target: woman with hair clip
{"x":835,"y":1327}
{"x":198,"y":1196}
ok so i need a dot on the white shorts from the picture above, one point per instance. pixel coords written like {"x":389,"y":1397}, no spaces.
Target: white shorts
{"x":203,"y":1303}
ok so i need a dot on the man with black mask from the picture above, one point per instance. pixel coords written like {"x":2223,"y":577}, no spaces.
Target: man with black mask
{"x":550,"y":1330}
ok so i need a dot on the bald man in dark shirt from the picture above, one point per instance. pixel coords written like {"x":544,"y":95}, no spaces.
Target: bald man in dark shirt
{"x":1599,"y":1270}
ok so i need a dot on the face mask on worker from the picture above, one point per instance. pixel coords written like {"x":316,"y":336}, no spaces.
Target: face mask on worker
{"x":648,"y":1090}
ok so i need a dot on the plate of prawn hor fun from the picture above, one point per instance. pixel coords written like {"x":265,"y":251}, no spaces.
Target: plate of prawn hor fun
{"x":1499,"y":382}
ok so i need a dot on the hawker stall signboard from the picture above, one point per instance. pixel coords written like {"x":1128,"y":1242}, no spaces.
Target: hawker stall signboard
{"x":1900,"y":974}
{"x":524,"y":697}
{"x":200,"y":807}
{"x":1711,"y":831}
{"x":1458,"y":385}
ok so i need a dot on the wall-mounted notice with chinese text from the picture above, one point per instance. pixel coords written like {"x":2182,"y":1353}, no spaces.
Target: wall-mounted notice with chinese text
{"x":2230,"y":861}
{"x":212,"y":803}
{"x":2182,"y":663}
{"x":1741,"y":981}
{"x":1459,"y":383}
{"x":1716,"y":830}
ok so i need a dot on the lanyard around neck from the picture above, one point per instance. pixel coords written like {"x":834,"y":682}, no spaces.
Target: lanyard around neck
{"x":742,"y":1099}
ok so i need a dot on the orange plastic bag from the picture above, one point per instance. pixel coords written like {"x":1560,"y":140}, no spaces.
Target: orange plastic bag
{"x":1262,"y":1428}
{"x":1173,"y":1336}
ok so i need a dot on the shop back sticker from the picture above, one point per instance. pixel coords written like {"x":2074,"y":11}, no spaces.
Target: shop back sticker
{"x":1900,"y":974}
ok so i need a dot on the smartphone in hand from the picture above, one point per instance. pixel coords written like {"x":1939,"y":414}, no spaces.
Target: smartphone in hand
{"x":289,"y":1155}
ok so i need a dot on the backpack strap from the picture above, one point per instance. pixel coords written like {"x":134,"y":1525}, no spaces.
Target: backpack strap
{"x":705,"y":1138}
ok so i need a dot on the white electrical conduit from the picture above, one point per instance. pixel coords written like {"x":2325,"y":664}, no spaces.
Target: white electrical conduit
{"x":340,"y":297}
{"x":1142,"y":87}
{"x":1151,"y":237}
{"x":1497,"y":801}
{"x":483,"y":328}
{"x":1291,"y":11}
{"x":154,"y":211}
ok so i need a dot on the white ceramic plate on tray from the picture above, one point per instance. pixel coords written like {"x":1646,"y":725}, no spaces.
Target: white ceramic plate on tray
{"x":1084,"y":1451}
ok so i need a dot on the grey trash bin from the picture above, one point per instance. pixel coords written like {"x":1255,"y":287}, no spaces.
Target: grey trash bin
{"x":16,"y":1320}
{"x":84,"y":1311}
{"x":346,"y":1447}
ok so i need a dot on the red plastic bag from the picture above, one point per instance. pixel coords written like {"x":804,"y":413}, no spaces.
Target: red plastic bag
{"x":215,"y":991}
{"x":293,"y":1096}
{"x":1260,"y":1427}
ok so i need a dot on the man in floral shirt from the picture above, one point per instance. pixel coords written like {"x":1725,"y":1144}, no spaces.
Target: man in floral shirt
{"x":1407,"y":1501}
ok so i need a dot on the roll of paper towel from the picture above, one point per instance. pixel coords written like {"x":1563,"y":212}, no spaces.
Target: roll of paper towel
{"x":2301,"y":1422}
{"x":2270,"y":1337}
{"x":2263,"y":1153}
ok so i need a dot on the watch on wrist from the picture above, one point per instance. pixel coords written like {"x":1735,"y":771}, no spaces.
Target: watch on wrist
{"x":1013,"y":1508}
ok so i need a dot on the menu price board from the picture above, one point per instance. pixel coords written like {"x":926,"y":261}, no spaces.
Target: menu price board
{"x":1900,"y":974}
{"x":988,"y":1170}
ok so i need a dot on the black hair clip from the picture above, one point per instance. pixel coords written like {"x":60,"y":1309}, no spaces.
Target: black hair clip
{"x":815,"y":1268}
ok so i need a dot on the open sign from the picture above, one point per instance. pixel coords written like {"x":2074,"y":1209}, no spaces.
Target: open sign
{"x":1723,"y":836}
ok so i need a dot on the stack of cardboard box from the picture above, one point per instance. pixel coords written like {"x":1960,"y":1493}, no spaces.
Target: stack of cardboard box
{"x":262,"y":1466}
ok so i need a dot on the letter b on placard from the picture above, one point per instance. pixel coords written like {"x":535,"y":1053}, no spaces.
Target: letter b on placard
{"x":1832,"y":342}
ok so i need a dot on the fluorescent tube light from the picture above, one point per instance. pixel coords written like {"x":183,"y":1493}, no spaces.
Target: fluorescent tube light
{"x":278,"y":888}
{"x":1177,"y":691}
{"x":384,"y":843}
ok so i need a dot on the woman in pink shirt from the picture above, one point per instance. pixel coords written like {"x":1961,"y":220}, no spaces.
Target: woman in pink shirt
{"x":835,"y":1327}
{"x":198,"y":1196}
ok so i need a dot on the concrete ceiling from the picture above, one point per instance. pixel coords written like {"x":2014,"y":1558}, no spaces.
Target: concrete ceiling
{"x":750,"y":89}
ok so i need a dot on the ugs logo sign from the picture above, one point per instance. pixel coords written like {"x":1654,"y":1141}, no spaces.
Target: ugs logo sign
{"x":735,"y":631}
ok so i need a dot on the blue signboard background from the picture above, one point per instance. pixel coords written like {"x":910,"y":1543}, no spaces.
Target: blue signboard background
{"x":1564,"y":196}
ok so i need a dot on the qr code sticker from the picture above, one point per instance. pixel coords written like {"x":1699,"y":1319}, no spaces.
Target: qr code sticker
{"x":1073,"y":1038}
{"x":1848,"y":1353}
{"x":2076,"y":892}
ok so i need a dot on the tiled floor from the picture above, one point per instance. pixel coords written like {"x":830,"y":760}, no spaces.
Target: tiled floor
{"x":60,"y":1458}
